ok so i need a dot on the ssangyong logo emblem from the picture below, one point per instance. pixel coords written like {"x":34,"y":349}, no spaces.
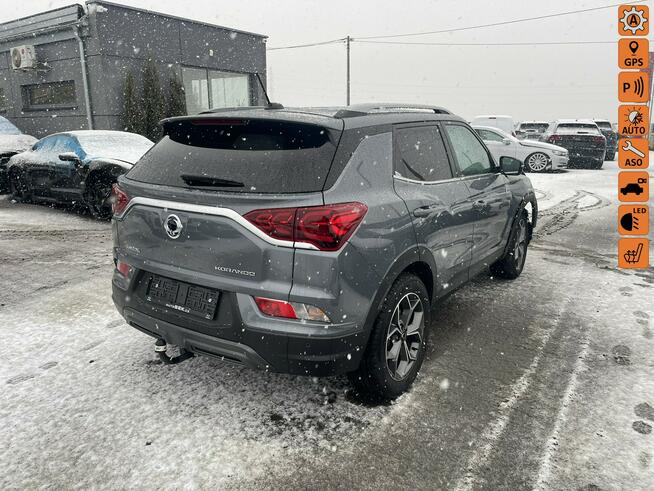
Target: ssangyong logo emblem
{"x":173,"y":226}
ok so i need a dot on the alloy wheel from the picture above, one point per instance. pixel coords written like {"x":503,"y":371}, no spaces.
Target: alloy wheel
{"x":404,"y":336}
{"x":537,"y":162}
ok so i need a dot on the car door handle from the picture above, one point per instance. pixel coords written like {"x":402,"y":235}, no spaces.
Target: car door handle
{"x":425,"y":211}
{"x":479,"y":205}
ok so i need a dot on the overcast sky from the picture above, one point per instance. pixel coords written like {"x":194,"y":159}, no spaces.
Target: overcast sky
{"x":527,"y":82}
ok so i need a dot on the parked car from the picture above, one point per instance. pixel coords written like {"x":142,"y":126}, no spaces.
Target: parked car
{"x":537,"y":156}
{"x":12,"y":141}
{"x":583,"y":139}
{"x":313,"y":242}
{"x":531,"y":130}
{"x":611,"y":137}
{"x":75,"y":167}
{"x":504,"y":123}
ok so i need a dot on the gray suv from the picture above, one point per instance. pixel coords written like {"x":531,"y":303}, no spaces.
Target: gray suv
{"x":313,"y":241}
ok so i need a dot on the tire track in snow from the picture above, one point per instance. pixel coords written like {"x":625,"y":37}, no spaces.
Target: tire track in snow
{"x":494,"y":431}
{"x":545,"y":470}
{"x":564,"y":213}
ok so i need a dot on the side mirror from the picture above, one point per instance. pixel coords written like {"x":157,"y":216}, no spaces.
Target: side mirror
{"x":70,"y":157}
{"x":511,"y":166}
{"x":506,"y":141}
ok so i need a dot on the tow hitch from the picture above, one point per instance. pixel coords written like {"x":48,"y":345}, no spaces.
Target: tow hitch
{"x":160,"y":347}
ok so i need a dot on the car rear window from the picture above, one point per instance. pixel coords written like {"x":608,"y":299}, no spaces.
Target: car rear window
{"x":604,"y":125}
{"x":534,"y":126}
{"x":577,"y":128}
{"x":240,"y":155}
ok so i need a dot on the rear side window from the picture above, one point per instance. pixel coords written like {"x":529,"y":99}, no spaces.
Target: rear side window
{"x":240,"y":155}
{"x":471,"y":156}
{"x":421,"y":154}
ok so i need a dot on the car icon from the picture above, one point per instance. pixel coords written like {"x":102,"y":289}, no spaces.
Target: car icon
{"x":632,"y":187}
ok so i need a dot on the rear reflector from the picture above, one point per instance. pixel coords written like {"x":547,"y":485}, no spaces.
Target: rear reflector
{"x":119,"y":200}
{"x":326,"y":227}
{"x":290,"y":310}
{"x":275,"y":308}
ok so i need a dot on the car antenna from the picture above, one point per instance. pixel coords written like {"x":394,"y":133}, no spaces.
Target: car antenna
{"x":269,"y":105}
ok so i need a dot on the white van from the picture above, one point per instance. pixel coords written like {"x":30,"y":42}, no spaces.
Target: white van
{"x":504,"y":123}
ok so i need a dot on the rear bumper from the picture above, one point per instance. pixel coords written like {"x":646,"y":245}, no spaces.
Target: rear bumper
{"x":300,"y":350}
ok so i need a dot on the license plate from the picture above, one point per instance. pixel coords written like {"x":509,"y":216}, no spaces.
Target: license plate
{"x":180,"y":296}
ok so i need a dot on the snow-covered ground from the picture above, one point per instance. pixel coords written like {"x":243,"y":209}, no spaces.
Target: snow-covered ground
{"x":545,"y":382}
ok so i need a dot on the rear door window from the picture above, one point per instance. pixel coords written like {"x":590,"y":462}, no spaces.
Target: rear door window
{"x":471,"y":156}
{"x":421,"y":154}
{"x":240,"y":155}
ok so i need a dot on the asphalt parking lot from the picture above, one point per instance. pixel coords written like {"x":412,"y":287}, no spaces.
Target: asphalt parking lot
{"x":545,"y":382}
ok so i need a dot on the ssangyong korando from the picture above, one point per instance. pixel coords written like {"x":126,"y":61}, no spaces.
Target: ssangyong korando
{"x":313,"y":241}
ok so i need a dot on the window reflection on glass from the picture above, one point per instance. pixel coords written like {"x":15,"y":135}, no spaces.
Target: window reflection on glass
{"x":229,"y":89}
{"x":206,"y":89}
{"x":54,"y":94}
{"x":195,"y":88}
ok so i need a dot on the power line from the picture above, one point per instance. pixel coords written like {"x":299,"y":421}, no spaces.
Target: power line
{"x":495,"y":24}
{"x":466,"y":28}
{"x":538,"y":43}
{"x":308,"y":45}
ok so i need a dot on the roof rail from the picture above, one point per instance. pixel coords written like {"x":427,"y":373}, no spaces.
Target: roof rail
{"x":394,"y":107}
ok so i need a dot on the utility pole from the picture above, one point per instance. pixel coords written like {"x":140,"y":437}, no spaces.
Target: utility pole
{"x":347,"y":44}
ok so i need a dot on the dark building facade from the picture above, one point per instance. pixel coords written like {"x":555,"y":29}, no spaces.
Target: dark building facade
{"x":82,"y":54}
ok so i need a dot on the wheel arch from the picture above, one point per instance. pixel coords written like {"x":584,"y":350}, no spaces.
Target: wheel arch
{"x":414,"y":261}
{"x":103,"y":167}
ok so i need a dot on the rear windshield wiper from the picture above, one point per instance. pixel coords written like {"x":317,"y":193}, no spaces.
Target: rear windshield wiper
{"x":209,"y":181}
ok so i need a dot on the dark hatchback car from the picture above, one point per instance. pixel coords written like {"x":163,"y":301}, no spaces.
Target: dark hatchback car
{"x":75,"y":167}
{"x":313,"y":241}
{"x":611,"y":137}
{"x":585,"y":143}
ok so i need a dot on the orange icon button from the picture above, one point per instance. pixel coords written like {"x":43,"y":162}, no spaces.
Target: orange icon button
{"x":633,"y":87}
{"x":633,"y":53}
{"x":633,"y":20}
{"x":633,"y":153}
{"x":633,"y":120}
{"x":633,"y":253}
{"x":633,"y":219}
{"x":633,"y":186}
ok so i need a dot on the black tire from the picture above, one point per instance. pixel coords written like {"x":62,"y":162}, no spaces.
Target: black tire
{"x":513,"y":262}
{"x":610,"y":155}
{"x":19,"y":187}
{"x":98,"y":194}
{"x":382,"y":378}
{"x":597,"y":164}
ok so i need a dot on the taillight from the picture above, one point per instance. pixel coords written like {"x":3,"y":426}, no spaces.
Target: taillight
{"x":600,"y":139}
{"x":554,"y":139}
{"x":276,"y":222}
{"x":119,"y":200}
{"x":326,"y":227}
{"x":124,"y":269}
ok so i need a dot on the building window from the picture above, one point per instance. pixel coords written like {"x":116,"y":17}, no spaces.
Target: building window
{"x":207,"y":89}
{"x":50,"y":95}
